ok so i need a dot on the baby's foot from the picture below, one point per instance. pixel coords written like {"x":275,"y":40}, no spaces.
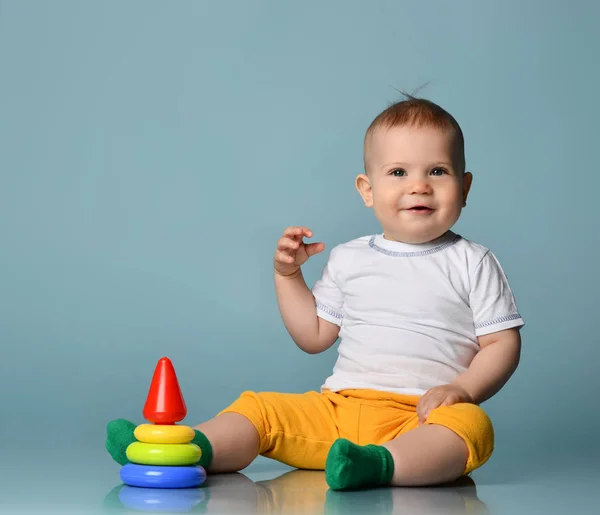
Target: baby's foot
{"x":356,"y":466}
{"x":119,"y":435}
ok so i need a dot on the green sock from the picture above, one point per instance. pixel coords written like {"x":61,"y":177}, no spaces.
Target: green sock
{"x":119,"y":435}
{"x":353,"y":466}
{"x":201,"y":441}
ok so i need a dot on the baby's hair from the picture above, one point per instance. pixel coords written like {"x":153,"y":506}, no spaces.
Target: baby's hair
{"x":418,"y":112}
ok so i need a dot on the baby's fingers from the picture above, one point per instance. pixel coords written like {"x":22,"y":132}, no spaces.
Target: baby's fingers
{"x":287,"y":244}
{"x":450,"y":400}
{"x":314,"y":248}
{"x":282,"y":257}
{"x":422,"y":407}
{"x":298,"y":232}
{"x":428,"y":402}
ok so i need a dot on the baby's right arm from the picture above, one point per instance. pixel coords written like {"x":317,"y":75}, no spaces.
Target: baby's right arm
{"x":296,"y":302}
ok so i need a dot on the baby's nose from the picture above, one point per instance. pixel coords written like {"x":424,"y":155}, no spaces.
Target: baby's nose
{"x":420,"y":187}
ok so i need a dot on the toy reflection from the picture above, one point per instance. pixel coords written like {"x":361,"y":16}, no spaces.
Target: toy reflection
{"x":297,"y":491}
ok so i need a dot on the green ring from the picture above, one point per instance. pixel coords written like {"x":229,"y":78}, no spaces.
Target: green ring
{"x":163,"y":453}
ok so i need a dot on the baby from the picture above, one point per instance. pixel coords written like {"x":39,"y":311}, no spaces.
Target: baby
{"x":427,"y":322}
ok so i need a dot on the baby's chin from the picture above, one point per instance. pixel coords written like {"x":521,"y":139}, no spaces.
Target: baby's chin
{"x":417,"y":229}
{"x":415,"y":236}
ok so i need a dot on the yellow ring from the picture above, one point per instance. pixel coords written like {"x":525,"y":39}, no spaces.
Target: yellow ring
{"x":152,"y":433}
{"x":163,"y":454}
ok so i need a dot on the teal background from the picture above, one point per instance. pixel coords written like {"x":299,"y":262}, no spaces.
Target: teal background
{"x":151,"y":154}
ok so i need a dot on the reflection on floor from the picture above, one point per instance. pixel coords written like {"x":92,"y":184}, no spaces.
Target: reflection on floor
{"x":296,"y":491}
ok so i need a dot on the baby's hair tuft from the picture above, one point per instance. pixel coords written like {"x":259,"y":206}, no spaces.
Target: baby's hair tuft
{"x":413,"y":111}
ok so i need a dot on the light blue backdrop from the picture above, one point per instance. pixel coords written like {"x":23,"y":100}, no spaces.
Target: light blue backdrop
{"x":151,"y":153}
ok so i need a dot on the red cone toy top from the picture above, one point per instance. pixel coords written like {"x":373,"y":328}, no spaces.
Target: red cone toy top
{"x":164,"y":404}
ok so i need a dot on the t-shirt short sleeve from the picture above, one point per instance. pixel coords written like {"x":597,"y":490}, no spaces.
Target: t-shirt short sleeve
{"x":328,"y":296}
{"x":491,"y":298}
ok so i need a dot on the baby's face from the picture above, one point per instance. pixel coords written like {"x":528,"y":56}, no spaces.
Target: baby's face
{"x":415,"y":183}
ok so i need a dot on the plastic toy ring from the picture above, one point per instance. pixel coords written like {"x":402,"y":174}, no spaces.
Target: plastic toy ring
{"x":161,"y":500}
{"x":151,"y":476}
{"x":163,"y":454}
{"x":151,"y":433}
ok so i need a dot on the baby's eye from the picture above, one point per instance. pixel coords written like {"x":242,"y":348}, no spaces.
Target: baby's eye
{"x":438,"y":171}
{"x":398,"y":172}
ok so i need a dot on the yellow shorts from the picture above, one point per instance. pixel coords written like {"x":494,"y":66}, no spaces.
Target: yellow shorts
{"x":298,"y":429}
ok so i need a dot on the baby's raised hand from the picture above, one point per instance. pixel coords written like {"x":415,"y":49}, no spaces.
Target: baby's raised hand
{"x":292,"y":252}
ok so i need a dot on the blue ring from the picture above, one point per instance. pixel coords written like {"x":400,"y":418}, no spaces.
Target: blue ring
{"x":162,"y":499}
{"x":156,"y":476}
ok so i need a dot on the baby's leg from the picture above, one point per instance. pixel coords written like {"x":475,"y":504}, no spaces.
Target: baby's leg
{"x":234,"y":442}
{"x":454,"y":441}
{"x":295,"y":429}
{"x":427,"y":455}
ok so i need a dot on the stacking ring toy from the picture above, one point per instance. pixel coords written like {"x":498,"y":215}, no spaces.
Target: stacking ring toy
{"x":151,"y":433}
{"x":161,"y":500}
{"x":151,"y":476}
{"x":163,"y":454}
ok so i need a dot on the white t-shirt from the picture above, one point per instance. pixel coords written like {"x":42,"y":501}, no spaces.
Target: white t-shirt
{"x":410,"y":314}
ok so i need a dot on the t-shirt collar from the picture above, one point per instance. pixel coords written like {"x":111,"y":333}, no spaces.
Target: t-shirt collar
{"x":379,"y":242}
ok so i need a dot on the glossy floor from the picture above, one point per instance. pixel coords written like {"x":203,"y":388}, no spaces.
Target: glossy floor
{"x":88,"y":482}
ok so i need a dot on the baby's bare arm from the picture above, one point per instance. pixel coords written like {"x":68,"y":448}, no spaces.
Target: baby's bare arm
{"x":493,"y":365}
{"x":299,"y":313}
{"x":296,"y":302}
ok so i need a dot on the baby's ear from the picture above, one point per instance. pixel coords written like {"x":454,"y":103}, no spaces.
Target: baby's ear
{"x":363,"y":185}
{"x":467,"y":181}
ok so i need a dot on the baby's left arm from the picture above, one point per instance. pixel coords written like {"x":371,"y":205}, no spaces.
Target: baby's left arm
{"x":492,"y":366}
{"x":494,"y":307}
{"x":489,"y":371}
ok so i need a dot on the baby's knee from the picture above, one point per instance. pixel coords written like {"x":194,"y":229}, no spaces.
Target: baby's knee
{"x":250,"y":405}
{"x":473,"y":425}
